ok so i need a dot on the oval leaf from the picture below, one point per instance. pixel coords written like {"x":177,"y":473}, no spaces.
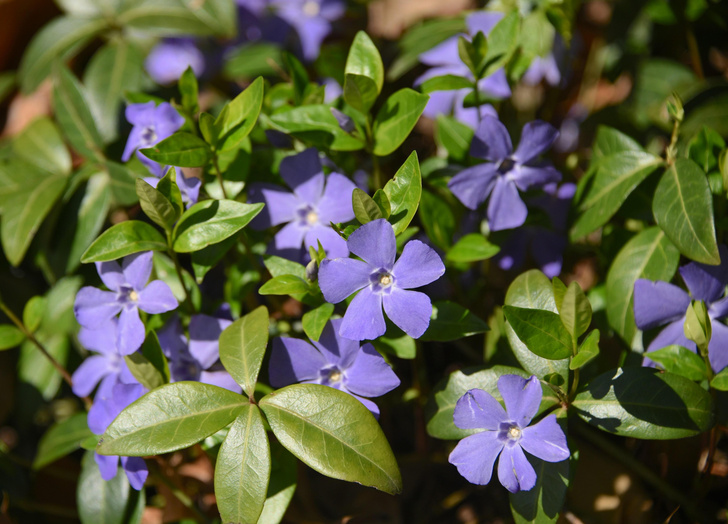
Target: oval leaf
{"x":210,"y":222}
{"x":242,"y":347}
{"x":61,"y":439}
{"x":472,"y":248}
{"x":181,"y":150}
{"x":404,"y":192}
{"x":542,"y":331}
{"x":124,"y":239}
{"x":396,"y":119}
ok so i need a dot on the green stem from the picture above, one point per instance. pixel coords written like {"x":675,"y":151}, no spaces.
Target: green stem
{"x":671,"y":151}
{"x":476,"y":95}
{"x":218,"y":173}
{"x":178,"y":268}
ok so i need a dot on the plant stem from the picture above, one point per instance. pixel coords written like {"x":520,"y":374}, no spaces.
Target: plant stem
{"x":178,"y":268}
{"x":218,"y":173}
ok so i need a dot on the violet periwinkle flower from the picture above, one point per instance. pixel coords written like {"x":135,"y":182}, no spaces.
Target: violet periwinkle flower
{"x":152,"y":124}
{"x":312,"y":20}
{"x":382,"y":281}
{"x":128,"y":294}
{"x":189,"y":187}
{"x":543,"y":68}
{"x":506,"y":171}
{"x":445,"y":60}
{"x":196,"y":358}
{"x":333,"y":361}
{"x":171,"y":57}
{"x":108,"y":368}
{"x":316,"y":200}
{"x":104,"y":410}
{"x":659,"y":303}
{"x":507,"y":433}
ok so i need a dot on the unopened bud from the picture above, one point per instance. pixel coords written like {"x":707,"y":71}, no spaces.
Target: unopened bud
{"x":697,"y":326}
{"x":312,"y":271}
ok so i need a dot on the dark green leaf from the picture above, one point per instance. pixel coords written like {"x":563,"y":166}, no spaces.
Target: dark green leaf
{"x":334,"y":434}
{"x":36,"y":370}
{"x":121,"y":183}
{"x":207,"y":258}
{"x":10,"y":336}
{"x":437,"y":219}
{"x":574,"y":309}
{"x":149,"y":366}
{"x":188,"y":89}
{"x":181,"y":150}
{"x":380,"y":197}
{"x":396,"y":119}
{"x":124,"y":239}
{"x":588,"y":350}
{"x":680,"y":360}
{"x":299,"y":77}
{"x":90,"y":217}
{"x":403,"y":192}
{"x":242,"y":347}
{"x":705,"y":148}
{"x":315,"y":320}
{"x":541,"y":331}
{"x":451,"y":321}
{"x":317,"y":125}
{"x":41,"y":145}
{"x":61,"y":439}
{"x":657,"y":79}
{"x":239,"y":116}
{"x":170,"y":190}
{"x":360,"y":92}
{"x":469,"y":55}
{"x":365,"y":209}
{"x":156,"y":206}
{"x":472,"y":248}
{"x":284,"y":285}
{"x":74,"y":115}
{"x":210,"y":222}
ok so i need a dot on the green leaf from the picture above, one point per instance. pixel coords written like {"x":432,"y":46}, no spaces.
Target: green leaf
{"x":365,"y":209}
{"x":683,"y":208}
{"x":61,"y":38}
{"x":360,"y":92}
{"x":705,"y":148}
{"x":174,"y":17}
{"x":284,"y":285}
{"x":61,"y":439}
{"x":454,"y":136}
{"x":680,"y":360}
{"x":90,"y":217}
{"x":441,"y":405}
{"x":121,"y":183}
{"x":542,"y":503}
{"x":35,"y":369}
{"x":656,"y":80}
{"x":404,"y":192}
{"x":451,"y":321}
{"x":588,"y":350}
{"x":7,"y":84}
{"x":107,"y":502}
{"x":396,"y":119}
{"x":541,"y":331}
{"x":502,"y":43}
{"x":472,"y":248}
{"x":334,"y":434}
{"x":169,"y":418}
{"x":33,"y":312}
{"x":155,"y":205}
{"x":149,"y":366}
{"x":401,"y":347}
{"x":437,"y":219}
{"x":168,"y":187}
{"x":242,"y":347}
{"x":720,"y":381}
{"x":609,"y":142}
{"x":469,"y":54}
{"x":615,"y":178}
{"x":41,"y":144}
{"x":74,"y":115}
{"x":380,"y":197}
{"x":317,"y":125}
{"x":10,"y":336}
{"x":239,"y":116}
{"x":210,"y":222}
{"x":181,"y":150}
{"x":315,"y":320}
{"x":207,"y":258}
{"x":242,"y":469}
{"x":278,"y":266}
{"x":299,"y":77}
{"x":252,"y":59}
{"x":124,"y":239}
{"x":188,"y":89}
{"x":650,"y":255}
{"x":364,"y":60}
{"x":445,"y":83}
{"x":574,"y":309}
{"x":282,"y":485}
{"x":644,"y":403}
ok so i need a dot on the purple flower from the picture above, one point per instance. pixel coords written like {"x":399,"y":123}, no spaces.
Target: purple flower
{"x":507,"y":434}
{"x":128,"y":293}
{"x":189,"y":186}
{"x":507,"y":171}
{"x":311,"y":19}
{"x":543,"y":68}
{"x":333,"y":361}
{"x":382,"y":282}
{"x":108,"y":368}
{"x":315,"y":201}
{"x":659,"y":303}
{"x":152,"y":124}
{"x":445,"y":60}
{"x":104,"y":410}
{"x":196,"y":358}
{"x":171,"y":57}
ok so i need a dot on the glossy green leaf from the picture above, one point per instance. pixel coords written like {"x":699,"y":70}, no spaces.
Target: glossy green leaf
{"x":10,"y":336}
{"x":189,"y":91}
{"x":644,"y":403}
{"x":404,"y":192}
{"x":284,"y":285}
{"x":90,"y":217}
{"x":282,"y":485}
{"x":317,"y":125}
{"x":169,"y":418}
{"x":242,"y":347}
{"x":33,"y":312}
{"x":315,"y":320}
{"x":333,"y":433}
{"x":155,"y":205}
{"x":502,"y":43}
{"x":210,"y":222}
{"x":181,"y":150}
{"x":149,"y":366}
{"x":124,"y":239}
{"x":74,"y":115}
{"x":454,"y":136}
{"x":541,"y":331}
{"x":720,"y":381}
{"x":174,"y":17}
{"x":683,"y":208}
{"x":650,"y":255}
{"x":360,"y":92}
{"x":680,"y":360}
{"x":437,"y":219}
{"x":382,"y":201}
{"x":705,"y":148}
{"x":445,"y":83}
{"x":239,"y":116}
{"x":278,"y":266}
{"x":609,"y":142}
{"x":365,"y":209}
{"x":168,"y":187}
{"x":451,"y":321}
{"x":121,"y":182}
{"x":242,"y":469}
{"x":472,"y":248}
{"x":41,"y":144}
{"x":61,"y":439}
{"x":588,"y":351}
{"x":441,"y":405}
{"x":364,"y":60}
{"x":396,"y":119}
{"x":574,"y":309}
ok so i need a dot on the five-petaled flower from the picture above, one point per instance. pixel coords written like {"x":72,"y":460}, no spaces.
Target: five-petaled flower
{"x":152,"y":124}
{"x":311,"y":19}
{"x":333,"y":361}
{"x":316,"y":200}
{"x":382,"y":282}
{"x":128,"y":294}
{"x":507,"y":433}
{"x":506,"y":171}
{"x":659,"y":303}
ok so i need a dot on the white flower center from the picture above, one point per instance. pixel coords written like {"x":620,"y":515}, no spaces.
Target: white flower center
{"x":311,"y":8}
{"x":385,"y":280}
{"x":133,"y":296}
{"x":149,"y":136}
{"x":335,"y":376}
{"x":312,"y":217}
{"x":514,"y":432}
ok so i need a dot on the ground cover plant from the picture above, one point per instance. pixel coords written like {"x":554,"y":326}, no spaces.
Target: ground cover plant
{"x":336,"y":261}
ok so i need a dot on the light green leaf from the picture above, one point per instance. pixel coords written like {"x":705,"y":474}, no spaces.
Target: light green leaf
{"x":181,"y":150}
{"x":451,"y":321}
{"x":124,"y":239}
{"x":588,"y":351}
{"x":36,"y":370}
{"x":445,"y":83}
{"x":404,"y":192}
{"x":720,"y":381}
{"x":284,"y":285}
{"x":396,"y":119}
{"x":454,"y":136}
{"x":364,"y":60}
{"x":10,"y":336}
{"x":41,"y":145}
{"x":239,"y":116}
{"x":502,"y":43}
{"x":317,"y":125}
{"x":401,"y":347}
{"x":149,"y":366}
{"x":315,"y":320}
{"x":242,"y":347}
{"x":155,"y":205}
{"x":574,"y":309}
{"x":189,"y":91}
{"x":680,"y":360}
{"x":33,"y":312}
{"x":472,"y":248}
{"x":382,"y":201}
{"x":278,"y":266}
{"x":333,"y":433}
{"x":210,"y":222}
{"x":74,"y":115}
{"x":168,"y":187}
{"x":541,"y":331}
{"x":61,"y":439}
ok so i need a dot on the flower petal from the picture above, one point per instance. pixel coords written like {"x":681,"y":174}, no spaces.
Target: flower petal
{"x":409,"y":310}
{"x":370,"y":375}
{"x":491,"y":141}
{"x":293,"y":360}
{"x":290,"y":237}
{"x":672,"y":334}
{"x":546,"y":440}
{"x":166,"y":120}
{"x":657,"y":303}
{"x":443,"y":54}
{"x":374,"y":243}
{"x":221,"y":379}
{"x":280,"y":205}
{"x":303,"y":174}
{"x":527,"y":177}
{"x":136,"y":471}
{"x":140,"y":114}
{"x":475,"y":455}
{"x":111,"y":274}
{"x":718,"y":347}
{"x":172,"y":339}
{"x":204,"y":336}
{"x":130,"y":334}
{"x":137,"y":269}
{"x":515,"y":471}
{"x":479,"y":409}
{"x":473,"y":185}
{"x":101,"y":340}
{"x":483,"y":21}
{"x":371,"y":406}
{"x":440,"y":103}
{"x":335,"y":204}
{"x":506,"y":210}
{"x":364,"y":319}
{"x":496,"y":85}
{"x":94,"y":307}
{"x":719,"y":309}
{"x":707,"y":282}
{"x":89,"y":374}
{"x":157,"y":297}
{"x":108,"y":465}
{"x":521,"y":396}
{"x":418,"y":265}
{"x":334,"y":245}
{"x":340,"y":277}
{"x":536,"y":138}
{"x":336,"y":349}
